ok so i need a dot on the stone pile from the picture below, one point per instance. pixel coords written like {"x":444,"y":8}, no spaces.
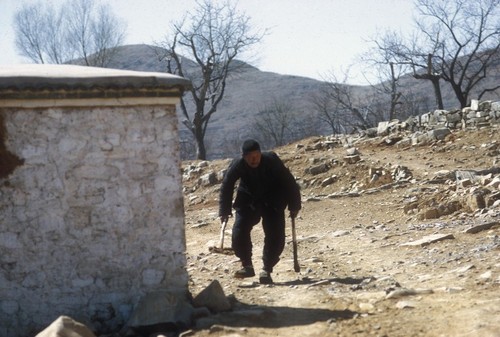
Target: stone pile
{"x":460,"y":193}
{"x":479,"y":114}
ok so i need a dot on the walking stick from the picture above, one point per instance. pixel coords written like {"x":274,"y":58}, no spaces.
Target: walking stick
{"x":221,"y":240}
{"x":296,"y":265}
{"x":220,"y":248}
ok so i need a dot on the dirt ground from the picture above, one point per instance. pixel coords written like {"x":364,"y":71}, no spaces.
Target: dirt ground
{"x":362,"y":274}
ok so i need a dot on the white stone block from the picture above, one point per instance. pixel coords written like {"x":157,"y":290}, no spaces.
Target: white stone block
{"x":474,"y":104}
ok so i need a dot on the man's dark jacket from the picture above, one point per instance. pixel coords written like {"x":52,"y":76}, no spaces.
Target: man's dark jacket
{"x":270,"y":185}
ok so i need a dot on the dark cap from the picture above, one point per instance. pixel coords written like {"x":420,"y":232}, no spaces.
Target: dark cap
{"x":249,"y":145}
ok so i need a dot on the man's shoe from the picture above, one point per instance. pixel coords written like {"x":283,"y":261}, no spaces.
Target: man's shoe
{"x":265,"y":277}
{"x":245,"y":272}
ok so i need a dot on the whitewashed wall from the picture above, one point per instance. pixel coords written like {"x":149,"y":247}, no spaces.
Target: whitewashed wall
{"x":93,"y":219}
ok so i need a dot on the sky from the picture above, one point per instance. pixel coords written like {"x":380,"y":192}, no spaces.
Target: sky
{"x":305,"y":38}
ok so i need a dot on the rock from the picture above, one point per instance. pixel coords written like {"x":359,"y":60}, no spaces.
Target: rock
{"x":405,"y":304}
{"x":444,"y":175}
{"x":352,"y":159}
{"x":486,"y":276}
{"x":490,"y":199}
{"x":208,"y":179}
{"x":329,"y":181}
{"x":65,"y":326}
{"x":439,"y":134}
{"x":427,"y":240}
{"x":321,"y":168}
{"x":383,"y":128}
{"x":474,"y":104}
{"x":213,"y":298}
{"x":419,"y":138}
{"x":481,"y":227}
{"x":352,"y":151}
{"x":475,"y":201}
{"x":464,"y":183}
{"x":162,"y":307}
{"x":429,"y":213}
{"x":398,"y":293}
{"x":463,"y":269}
{"x":340,"y":233}
{"x":366,"y":307}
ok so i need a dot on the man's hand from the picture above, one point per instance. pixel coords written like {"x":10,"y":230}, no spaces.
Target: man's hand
{"x":293,"y":213}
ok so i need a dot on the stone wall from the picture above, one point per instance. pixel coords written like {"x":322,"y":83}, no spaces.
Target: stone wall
{"x":486,"y":113}
{"x":478,"y":114}
{"x":94,"y":216}
{"x":91,"y":214}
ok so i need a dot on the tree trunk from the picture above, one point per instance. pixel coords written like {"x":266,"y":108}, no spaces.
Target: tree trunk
{"x":434,"y":80}
{"x":201,"y":152}
{"x":437,"y":92}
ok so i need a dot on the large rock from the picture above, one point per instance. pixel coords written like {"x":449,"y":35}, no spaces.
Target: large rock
{"x":65,"y":326}
{"x":162,"y":307}
{"x":213,"y":298}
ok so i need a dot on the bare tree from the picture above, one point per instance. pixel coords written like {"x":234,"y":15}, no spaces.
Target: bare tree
{"x":411,"y":57}
{"x":458,"y":41}
{"x":274,"y":123}
{"x":467,"y":33}
{"x":349,"y":107}
{"x":213,"y":36}
{"x":35,"y":37}
{"x":388,"y":68}
{"x":79,"y":29}
{"x":328,"y":110}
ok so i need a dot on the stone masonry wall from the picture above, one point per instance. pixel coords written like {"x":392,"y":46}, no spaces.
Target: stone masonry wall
{"x":92,"y":215}
{"x":437,"y":124}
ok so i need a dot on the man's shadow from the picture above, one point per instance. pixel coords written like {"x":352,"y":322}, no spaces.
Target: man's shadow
{"x":244,"y":315}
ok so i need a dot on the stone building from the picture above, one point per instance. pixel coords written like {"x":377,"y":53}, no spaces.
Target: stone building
{"x":91,"y":206}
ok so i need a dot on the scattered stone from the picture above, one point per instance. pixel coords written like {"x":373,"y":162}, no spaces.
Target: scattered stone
{"x":213,"y":298}
{"x":352,"y":159}
{"x":405,"y":304}
{"x":427,"y":240}
{"x":248,"y":285}
{"x":65,"y":326}
{"x":366,"y":307}
{"x":486,"y":276}
{"x":398,"y":293}
{"x":450,"y":290}
{"x":462,"y":270}
{"x":221,"y":328}
{"x":340,"y":233}
{"x":208,"y":179}
{"x":481,"y":227}
{"x":329,"y":181}
{"x":199,"y":225}
{"x":439,"y":134}
{"x":321,"y":168}
{"x":353,"y":151}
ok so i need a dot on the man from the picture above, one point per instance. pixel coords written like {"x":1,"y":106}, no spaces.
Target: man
{"x":265,"y":189}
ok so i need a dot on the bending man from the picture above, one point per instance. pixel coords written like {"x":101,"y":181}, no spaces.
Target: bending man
{"x":265,"y":189}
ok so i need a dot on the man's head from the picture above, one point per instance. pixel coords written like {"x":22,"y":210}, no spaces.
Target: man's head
{"x":250,"y":150}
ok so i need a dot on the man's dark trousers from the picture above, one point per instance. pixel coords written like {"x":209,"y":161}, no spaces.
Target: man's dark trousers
{"x":273,"y":223}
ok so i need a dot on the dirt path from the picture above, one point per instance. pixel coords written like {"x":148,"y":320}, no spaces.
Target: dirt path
{"x":360,"y":274}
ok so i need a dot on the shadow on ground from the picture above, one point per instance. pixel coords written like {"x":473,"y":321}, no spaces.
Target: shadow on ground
{"x":244,"y":315}
{"x":312,"y":282}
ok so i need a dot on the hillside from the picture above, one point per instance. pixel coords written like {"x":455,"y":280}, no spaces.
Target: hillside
{"x":378,"y":257}
{"x":250,"y":90}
